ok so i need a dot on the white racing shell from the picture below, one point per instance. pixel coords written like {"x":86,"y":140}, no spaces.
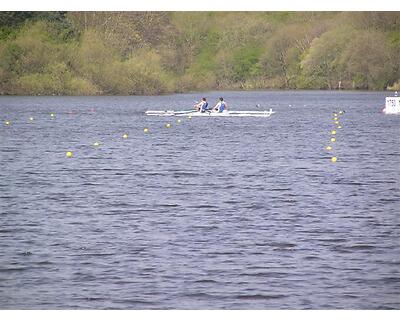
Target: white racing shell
{"x":226,"y":113}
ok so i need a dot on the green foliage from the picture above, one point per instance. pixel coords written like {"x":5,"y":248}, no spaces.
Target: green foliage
{"x":55,"y":80}
{"x":372,"y":70}
{"x":246,"y":63}
{"x":94,"y":61}
{"x":15,"y":18}
{"x":394,"y":39}
{"x":395,"y":86}
{"x":208,"y":50}
{"x":7,"y":33}
{"x":279,"y":17}
{"x":323,"y":63}
{"x":10,"y":56}
{"x":142,"y":74}
{"x":278,"y":60}
{"x":374,"y":20}
{"x":128,"y":53}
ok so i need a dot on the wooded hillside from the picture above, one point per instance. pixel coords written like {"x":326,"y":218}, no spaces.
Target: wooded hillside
{"x":130,"y":53}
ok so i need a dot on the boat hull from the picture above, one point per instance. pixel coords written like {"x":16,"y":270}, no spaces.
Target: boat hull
{"x":172,"y":113}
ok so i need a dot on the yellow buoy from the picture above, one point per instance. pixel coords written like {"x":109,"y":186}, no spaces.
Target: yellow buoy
{"x":333,"y":159}
{"x":336,"y":122}
{"x":168,"y":125}
{"x":333,"y":139}
{"x":339,"y":127}
{"x":30,"y":118}
{"x":178,"y":121}
{"x":125,"y":136}
{"x":335,"y":118}
{"x":335,"y":114}
{"x":340,"y":112}
{"x":52,"y":115}
{"x":333,"y":131}
{"x":189,"y":117}
{"x":328,"y":148}
{"x":146,"y":130}
{"x":69,"y":154}
{"x":96,"y":144}
{"x":7,"y":123}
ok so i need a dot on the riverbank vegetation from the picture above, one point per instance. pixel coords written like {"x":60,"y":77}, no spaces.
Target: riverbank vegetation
{"x":135,"y":53}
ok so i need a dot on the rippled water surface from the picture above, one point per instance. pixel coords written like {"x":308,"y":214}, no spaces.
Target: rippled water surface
{"x":212,"y":213}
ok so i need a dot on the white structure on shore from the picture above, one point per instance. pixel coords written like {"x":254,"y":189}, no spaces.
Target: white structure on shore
{"x":392,"y":105}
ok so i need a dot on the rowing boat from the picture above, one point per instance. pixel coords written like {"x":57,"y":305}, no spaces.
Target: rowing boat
{"x":209,"y":113}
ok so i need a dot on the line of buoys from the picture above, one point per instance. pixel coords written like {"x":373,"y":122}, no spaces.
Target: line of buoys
{"x":69,"y":154}
{"x":334,"y":132}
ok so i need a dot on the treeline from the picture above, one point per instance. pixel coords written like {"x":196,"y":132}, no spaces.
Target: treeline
{"x":133,"y":53}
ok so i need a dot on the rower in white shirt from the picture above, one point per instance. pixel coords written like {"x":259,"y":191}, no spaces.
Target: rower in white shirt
{"x":220,"y":106}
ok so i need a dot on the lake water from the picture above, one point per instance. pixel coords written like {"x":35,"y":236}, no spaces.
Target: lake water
{"x":212,"y":213}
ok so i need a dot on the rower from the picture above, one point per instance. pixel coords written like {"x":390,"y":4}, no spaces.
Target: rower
{"x":220,"y":106}
{"x":202,"y":105}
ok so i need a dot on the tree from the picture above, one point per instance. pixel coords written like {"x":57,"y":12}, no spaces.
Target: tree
{"x":323,"y":64}
{"x":280,"y":59}
{"x":366,"y":59}
{"x":124,"y":31}
{"x":373,"y":20}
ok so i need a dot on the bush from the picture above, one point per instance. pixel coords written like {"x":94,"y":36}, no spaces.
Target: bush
{"x":246,"y":63}
{"x":323,"y":63}
{"x":366,"y":60}
{"x":395,"y":86}
{"x":145,"y":74}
